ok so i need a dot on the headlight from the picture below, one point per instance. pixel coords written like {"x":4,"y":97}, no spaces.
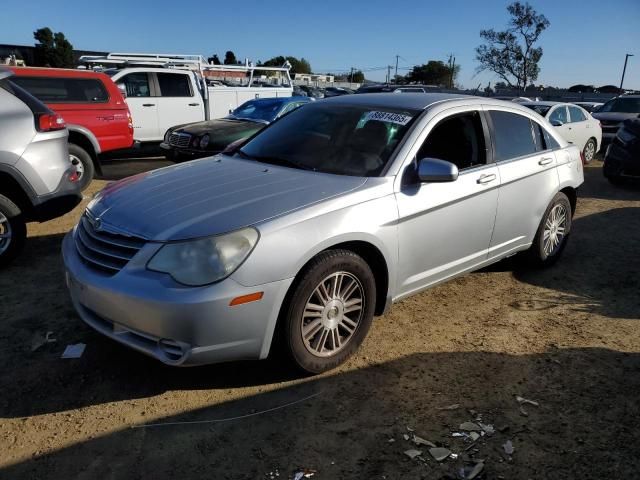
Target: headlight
{"x":207,"y":260}
{"x":204,"y":141}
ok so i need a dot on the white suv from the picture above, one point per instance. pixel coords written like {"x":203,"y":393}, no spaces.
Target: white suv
{"x":37,"y":180}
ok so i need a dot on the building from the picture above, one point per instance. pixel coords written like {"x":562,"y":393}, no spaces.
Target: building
{"x":312,"y":78}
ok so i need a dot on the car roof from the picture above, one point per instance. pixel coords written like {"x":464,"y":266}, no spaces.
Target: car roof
{"x":418,"y":101}
{"x":544,"y":104}
{"x":56,"y":72}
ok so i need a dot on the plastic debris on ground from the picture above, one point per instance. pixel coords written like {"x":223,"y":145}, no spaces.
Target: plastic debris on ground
{"x":470,"y":427}
{"x":406,"y":436}
{"x":274,"y":475}
{"x":413,"y":453}
{"x":453,"y":406}
{"x":421,"y":441}
{"x":38,"y":340}
{"x":303,"y":473}
{"x":439,"y":453}
{"x":508,"y":447}
{"x":74,"y":351}
{"x":471,"y":471}
{"x":526,"y":401}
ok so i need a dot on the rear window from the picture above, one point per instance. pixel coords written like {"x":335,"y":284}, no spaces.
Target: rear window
{"x":513,"y":135}
{"x":622,"y":105}
{"x":35,"y":105}
{"x":64,"y":90}
{"x":174,"y":85}
{"x":540,"y":109}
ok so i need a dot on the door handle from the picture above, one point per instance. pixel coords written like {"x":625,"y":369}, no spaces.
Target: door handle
{"x":484,"y":179}
{"x":545,"y":161}
{"x":148,"y":104}
{"x":194,"y":104}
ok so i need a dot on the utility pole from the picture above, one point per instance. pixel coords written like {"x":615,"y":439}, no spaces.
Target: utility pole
{"x":351,"y":76}
{"x":453,"y":69}
{"x":624,"y":69}
{"x":389,"y":67}
{"x":396,"y":75}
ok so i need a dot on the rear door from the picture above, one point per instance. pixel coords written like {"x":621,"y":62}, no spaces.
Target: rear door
{"x":178,"y":100}
{"x":142,"y":105}
{"x":560,"y":114}
{"x":526,"y":161}
{"x":580,"y":127}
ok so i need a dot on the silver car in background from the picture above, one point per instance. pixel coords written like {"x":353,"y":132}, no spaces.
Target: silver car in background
{"x":316,"y":224}
{"x":37,"y":180}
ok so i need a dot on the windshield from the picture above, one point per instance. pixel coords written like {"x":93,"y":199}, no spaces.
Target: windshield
{"x":541,"y":109}
{"x":341,"y":139}
{"x":622,"y":105}
{"x":260,"y":110}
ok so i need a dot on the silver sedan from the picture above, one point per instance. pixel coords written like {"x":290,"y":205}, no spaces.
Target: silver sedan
{"x":316,"y":224}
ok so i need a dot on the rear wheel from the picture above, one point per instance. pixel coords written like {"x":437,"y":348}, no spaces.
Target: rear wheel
{"x":13,"y":231}
{"x":330,"y":311}
{"x":553,"y":232}
{"x":83,"y":162}
{"x":589,"y":150}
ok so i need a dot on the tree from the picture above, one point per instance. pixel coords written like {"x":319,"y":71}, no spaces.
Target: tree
{"x":511,"y":54}
{"x":297,"y":65}
{"x":53,"y":49}
{"x":230,"y":58}
{"x":214,"y":60}
{"x":357,"y":76}
{"x":434,"y":72}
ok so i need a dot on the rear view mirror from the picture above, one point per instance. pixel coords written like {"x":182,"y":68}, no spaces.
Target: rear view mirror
{"x":556,"y":123}
{"x":436,"y":170}
{"x":123,"y":89}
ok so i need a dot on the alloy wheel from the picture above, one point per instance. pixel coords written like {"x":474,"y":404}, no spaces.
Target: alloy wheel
{"x":76,"y":162}
{"x":589,"y":151}
{"x":5,"y":233}
{"x":554,"y":230}
{"x":332,"y":314}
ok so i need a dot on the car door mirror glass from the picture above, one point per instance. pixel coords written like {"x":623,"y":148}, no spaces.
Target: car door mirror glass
{"x":556,"y":123}
{"x":436,"y":170}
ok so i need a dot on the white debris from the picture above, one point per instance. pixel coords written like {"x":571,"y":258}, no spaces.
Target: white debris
{"x":508,"y":447}
{"x":38,"y":340}
{"x":453,"y":406}
{"x":470,"y":427}
{"x":421,"y":441}
{"x":412,"y":453}
{"x":74,"y":351}
{"x":525,"y":401}
{"x":439,"y":453}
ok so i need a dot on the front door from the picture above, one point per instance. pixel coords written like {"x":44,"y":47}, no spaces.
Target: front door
{"x":445,"y":228}
{"x":178,"y":101}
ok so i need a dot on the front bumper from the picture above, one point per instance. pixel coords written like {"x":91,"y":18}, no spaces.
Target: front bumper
{"x":177,"y":325}
{"x":619,"y":162}
{"x":186,"y":152}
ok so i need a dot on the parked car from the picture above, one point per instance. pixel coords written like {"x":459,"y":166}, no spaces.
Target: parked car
{"x":516,"y":99}
{"x":299,"y":92}
{"x":590,"y":107}
{"x":312,"y":92}
{"x":616,"y":111}
{"x":383,"y":88}
{"x":336,"y":91}
{"x":319,"y":222}
{"x":622,"y":159}
{"x":93,"y":108}
{"x":203,"y":139}
{"x":573,"y":123}
{"x":37,"y":180}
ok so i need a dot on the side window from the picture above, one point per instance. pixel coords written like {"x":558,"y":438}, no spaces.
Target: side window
{"x":458,"y":139}
{"x":513,"y":135}
{"x":576,"y":115}
{"x":559,"y":115}
{"x":64,"y":90}
{"x":288,"y":108}
{"x":544,"y":141}
{"x":174,"y":85}
{"x":136,"y":84}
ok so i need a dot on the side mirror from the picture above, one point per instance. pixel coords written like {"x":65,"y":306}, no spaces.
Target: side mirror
{"x":556,"y":123}
{"x":436,"y":170}
{"x":123,"y":89}
{"x":235,"y":146}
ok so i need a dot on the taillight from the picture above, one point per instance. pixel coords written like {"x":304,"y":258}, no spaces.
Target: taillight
{"x":130,"y":122}
{"x":50,"y":121}
{"x":582,"y":158}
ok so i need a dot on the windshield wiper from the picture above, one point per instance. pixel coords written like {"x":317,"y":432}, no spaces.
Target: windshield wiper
{"x":283,"y":162}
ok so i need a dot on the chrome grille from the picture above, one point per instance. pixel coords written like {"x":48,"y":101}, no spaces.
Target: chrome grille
{"x":179,"y":140}
{"x":103,"y":250}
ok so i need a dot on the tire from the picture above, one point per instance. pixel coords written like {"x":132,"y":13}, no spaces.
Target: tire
{"x":84,"y":165}
{"x":589,"y":150}
{"x":557,"y":215}
{"x":13,"y":231}
{"x":337,"y":335}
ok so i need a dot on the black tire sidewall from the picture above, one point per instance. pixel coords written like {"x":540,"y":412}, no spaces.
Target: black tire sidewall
{"x":319,"y":268}
{"x":18,"y":230}
{"x":538,"y":246}
{"x":87,"y":163}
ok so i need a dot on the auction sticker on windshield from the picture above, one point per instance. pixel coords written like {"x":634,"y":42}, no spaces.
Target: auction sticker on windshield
{"x":388,"y":117}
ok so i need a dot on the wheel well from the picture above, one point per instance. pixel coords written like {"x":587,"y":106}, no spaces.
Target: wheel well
{"x":11,"y":189}
{"x":571,"y":194}
{"x":82,"y":141}
{"x":378,"y":265}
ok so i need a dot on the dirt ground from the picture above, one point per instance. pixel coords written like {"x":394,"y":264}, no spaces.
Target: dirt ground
{"x":567,"y":338}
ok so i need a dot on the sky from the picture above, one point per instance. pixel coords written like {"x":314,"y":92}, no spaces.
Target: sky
{"x":586,"y":42}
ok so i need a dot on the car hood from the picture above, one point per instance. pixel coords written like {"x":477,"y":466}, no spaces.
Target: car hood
{"x":210,"y":196}
{"x":222,"y":131}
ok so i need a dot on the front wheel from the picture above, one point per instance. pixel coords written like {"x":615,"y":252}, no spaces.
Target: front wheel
{"x":13,"y":230}
{"x":589,"y":150}
{"x":330,"y":310}
{"x":553,"y":232}
{"x":83,"y":162}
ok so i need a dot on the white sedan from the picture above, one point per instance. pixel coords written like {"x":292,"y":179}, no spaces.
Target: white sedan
{"x":573,"y":123}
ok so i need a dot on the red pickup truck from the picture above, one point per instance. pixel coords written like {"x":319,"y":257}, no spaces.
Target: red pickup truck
{"x":93,"y":107}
